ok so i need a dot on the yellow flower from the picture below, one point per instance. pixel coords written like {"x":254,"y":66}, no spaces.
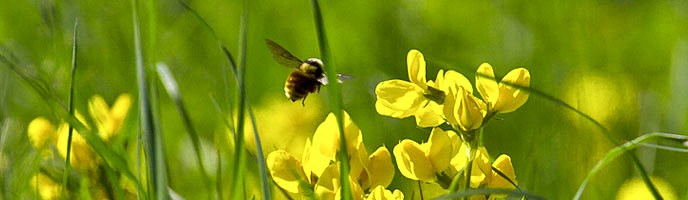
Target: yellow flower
{"x":317,"y":166}
{"x":401,"y":99}
{"x":502,"y":97}
{"x":286,"y":170}
{"x":424,"y":161}
{"x":503,"y":164}
{"x":47,"y":187}
{"x":82,"y":156}
{"x":40,"y":132}
{"x":109,"y":120}
{"x":463,"y":110}
{"x":380,"y":193}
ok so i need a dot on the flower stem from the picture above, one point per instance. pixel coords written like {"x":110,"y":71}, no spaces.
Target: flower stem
{"x":473,"y":143}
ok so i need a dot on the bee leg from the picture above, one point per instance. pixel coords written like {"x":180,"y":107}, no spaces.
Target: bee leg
{"x":303,"y":102}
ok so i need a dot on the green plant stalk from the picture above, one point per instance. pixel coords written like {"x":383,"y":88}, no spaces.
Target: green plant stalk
{"x":472,"y":140}
{"x":335,"y":98}
{"x":159,"y":189}
{"x":65,"y":177}
{"x":239,"y":148}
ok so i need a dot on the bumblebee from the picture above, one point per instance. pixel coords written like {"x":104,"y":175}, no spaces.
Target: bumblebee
{"x":307,"y":76}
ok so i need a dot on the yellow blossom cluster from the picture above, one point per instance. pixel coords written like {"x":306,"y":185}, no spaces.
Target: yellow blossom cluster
{"x":41,"y":133}
{"x":449,"y":100}
{"x":318,"y":169}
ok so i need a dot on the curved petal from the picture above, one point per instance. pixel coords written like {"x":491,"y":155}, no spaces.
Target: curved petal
{"x":503,"y":164}
{"x":397,"y":98}
{"x":454,"y":79}
{"x":380,"y":168}
{"x":482,"y":170}
{"x":285,"y":170}
{"x":416,"y":68}
{"x":380,"y":193}
{"x":40,"y":131}
{"x":81,"y":155}
{"x":412,"y":162}
{"x":440,"y":150}
{"x":486,"y":84}
{"x":510,"y":97}
{"x":451,"y":101}
{"x":469,"y":111}
{"x":429,"y":115}
{"x":358,"y":162}
{"x":100,"y":112}
{"x":328,"y":184}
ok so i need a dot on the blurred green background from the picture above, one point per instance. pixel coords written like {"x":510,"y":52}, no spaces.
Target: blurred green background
{"x":623,"y":62}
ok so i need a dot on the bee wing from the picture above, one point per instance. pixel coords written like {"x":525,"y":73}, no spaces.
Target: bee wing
{"x":282,"y":56}
{"x":340,"y":78}
{"x":343,"y":77}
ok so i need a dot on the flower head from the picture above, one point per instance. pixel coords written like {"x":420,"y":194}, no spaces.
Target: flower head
{"x":109,"y":120}
{"x":40,"y":132}
{"x":427,"y":160}
{"x":507,"y":96}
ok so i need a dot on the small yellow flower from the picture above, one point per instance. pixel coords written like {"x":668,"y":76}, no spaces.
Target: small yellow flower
{"x":286,"y":170}
{"x":380,"y":193}
{"x":503,"y":164}
{"x":328,"y":185}
{"x":502,"y":97}
{"x":420,"y":98}
{"x":82,"y":156}
{"x":47,"y":187}
{"x":424,"y":161}
{"x":41,"y":132}
{"x":109,"y":120}
{"x":463,"y":110}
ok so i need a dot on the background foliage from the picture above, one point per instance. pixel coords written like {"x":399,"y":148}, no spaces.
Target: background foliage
{"x":622,"y":62}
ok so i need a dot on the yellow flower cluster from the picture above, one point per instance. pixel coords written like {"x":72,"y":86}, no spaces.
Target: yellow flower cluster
{"x":318,"y":169}
{"x":449,"y":99}
{"x":42,"y":132}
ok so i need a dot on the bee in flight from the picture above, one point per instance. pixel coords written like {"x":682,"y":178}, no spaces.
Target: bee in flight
{"x":307,"y":76}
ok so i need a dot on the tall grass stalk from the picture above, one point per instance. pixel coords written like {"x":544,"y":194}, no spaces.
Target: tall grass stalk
{"x":65,"y":176}
{"x":146,"y":124}
{"x":239,"y":148}
{"x":172,"y":89}
{"x":335,"y":97}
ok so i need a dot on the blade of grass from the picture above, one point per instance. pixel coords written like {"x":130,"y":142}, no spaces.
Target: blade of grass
{"x":70,"y":100}
{"x":622,"y":149}
{"x":335,"y":96}
{"x":172,"y":89}
{"x":239,"y":147}
{"x":155,"y":167}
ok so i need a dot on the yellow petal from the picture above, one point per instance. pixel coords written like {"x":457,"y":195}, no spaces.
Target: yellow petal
{"x":40,"y":131}
{"x":416,"y":68}
{"x":440,"y":150}
{"x":119,"y":110}
{"x":380,"y":193}
{"x":328,"y":183}
{"x":285,"y":170}
{"x":81,"y":155}
{"x":306,"y":160}
{"x":482,"y":170}
{"x":397,"y":98}
{"x":326,"y":142}
{"x":358,"y":161}
{"x":47,"y":187}
{"x":429,"y":115}
{"x":503,"y":164}
{"x":454,"y":80}
{"x":412,"y":162}
{"x":486,"y":84}
{"x":510,"y":97}
{"x":100,"y":111}
{"x":469,"y":111}
{"x":380,"y":169}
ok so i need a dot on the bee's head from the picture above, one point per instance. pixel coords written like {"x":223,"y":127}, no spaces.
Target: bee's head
{"x":313,"y":66}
